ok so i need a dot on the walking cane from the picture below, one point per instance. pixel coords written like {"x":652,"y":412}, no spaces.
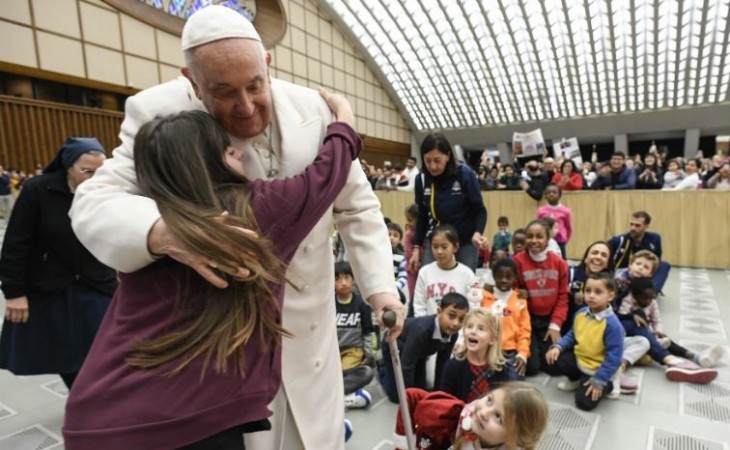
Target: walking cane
{"x":400,"y":385}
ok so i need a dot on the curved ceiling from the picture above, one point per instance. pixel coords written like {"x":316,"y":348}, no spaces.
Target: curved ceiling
{"x":459,"y":64}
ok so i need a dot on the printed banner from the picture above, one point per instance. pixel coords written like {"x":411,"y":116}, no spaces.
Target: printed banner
{"x":568,"y":149}
{"x":528,"y":144}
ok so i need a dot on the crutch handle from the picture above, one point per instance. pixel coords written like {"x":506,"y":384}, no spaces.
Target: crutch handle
{"x":389,"y":318}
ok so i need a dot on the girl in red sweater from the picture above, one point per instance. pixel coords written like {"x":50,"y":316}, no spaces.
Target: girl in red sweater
{"x":545,"y":277}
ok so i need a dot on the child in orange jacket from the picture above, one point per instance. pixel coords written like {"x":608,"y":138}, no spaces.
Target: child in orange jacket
{"x":507,"y":303}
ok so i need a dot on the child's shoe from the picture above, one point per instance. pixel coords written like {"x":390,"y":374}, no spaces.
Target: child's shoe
{"x":348,"y":430}
{"x":358,"y":399}
{"x":665,"y":342}
{"x":682,"y":370}
{"x":709,"y":357}
{"x":568,"y":385}
{"x":628,"y":385}
{"x":645,"y":360}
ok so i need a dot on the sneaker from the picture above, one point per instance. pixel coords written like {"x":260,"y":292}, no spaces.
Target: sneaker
{"x":628,"y":385}
{"x":683,"y":370}
{"x":645,"y":360}
{"x":709,"y":357}
{"x":358,"y":399}
{"x":348,"y":430}
{"x":568,"y":385}
{"x":665,"y":342}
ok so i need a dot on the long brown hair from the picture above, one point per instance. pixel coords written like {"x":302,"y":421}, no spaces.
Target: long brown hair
{"x":180,"y":164}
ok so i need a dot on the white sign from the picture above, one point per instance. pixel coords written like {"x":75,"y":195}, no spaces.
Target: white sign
{"x":568,"y":149}
{"x":528,"y":144}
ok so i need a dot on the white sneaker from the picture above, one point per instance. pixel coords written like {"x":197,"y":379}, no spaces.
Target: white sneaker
{"x":709,"y":357}
{"x":568,"y":386}
{"x":665,"y":342}
{"x":358,"y":399}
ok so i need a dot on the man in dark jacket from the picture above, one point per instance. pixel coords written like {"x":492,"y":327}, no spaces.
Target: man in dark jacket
{"x":638,"y":238}
{"x":621,"y":176}
{"x":535,"y":180}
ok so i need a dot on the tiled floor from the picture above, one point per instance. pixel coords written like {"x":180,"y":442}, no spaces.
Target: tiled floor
{"x":662,"y":416}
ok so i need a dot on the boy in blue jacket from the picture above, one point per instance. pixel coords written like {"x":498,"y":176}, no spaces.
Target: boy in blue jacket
{"x":591,"y":353}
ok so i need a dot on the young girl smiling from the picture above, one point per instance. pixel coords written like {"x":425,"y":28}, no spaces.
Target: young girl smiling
{"x":511,"y":417}
{"x":545,"y":277}
{"x":478,"y":365}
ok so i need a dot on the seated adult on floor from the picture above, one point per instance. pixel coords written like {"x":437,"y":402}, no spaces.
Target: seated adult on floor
{"x":638,"y":238}
{"x":447,"y":193}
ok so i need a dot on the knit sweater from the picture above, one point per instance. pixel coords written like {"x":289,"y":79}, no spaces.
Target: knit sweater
{"x":547,"y":285}
{"x":515,"y":317}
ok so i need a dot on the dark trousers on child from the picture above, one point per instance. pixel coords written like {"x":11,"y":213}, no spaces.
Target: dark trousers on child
{"x":538,"y":344}
{"x":230,"y":439}
{"x":357,"y":377}
{"x":567,"y":365}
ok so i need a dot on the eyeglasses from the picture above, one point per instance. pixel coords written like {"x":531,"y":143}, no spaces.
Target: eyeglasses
{"x":84,"y":170}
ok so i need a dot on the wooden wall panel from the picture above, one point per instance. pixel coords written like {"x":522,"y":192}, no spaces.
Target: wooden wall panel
{"x":31,"y":131}
{"x":693,"y":224}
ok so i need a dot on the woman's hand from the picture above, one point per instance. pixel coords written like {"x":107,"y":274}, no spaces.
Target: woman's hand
{"x":477,"y":239}
{"x":578,"y":298}
{"x":339,"y":105}
{"x":16,"y":309}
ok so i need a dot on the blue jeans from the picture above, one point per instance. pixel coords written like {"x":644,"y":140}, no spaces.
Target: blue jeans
{"x":661,"y":275}
{"x":656,"y":351}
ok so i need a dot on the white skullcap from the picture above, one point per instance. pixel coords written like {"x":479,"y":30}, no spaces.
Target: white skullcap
{"x":214,"y":23}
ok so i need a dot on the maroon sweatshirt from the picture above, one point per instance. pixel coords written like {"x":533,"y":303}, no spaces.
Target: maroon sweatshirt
{"x":114,"y":406}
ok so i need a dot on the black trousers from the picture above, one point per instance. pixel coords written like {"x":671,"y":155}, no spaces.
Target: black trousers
{"x":230,"y":439}
{"x":567,"y":365}
{"x":538,"y":345}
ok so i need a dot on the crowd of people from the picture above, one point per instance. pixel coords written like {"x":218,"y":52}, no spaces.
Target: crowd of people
{"x":650,"y":171}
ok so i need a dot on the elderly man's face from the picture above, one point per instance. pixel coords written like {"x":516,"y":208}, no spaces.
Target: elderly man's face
{"x":231,"y":77}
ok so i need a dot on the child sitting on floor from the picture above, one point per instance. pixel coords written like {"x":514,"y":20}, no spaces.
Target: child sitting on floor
{"x":513,"y":416}
{"x":506,"y":303}
{"x":478,"y":365}
{"x":355,"y":335}
{"x":643,"y":264}
{"x":640,"y":305}
{"x":590,"y":354}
